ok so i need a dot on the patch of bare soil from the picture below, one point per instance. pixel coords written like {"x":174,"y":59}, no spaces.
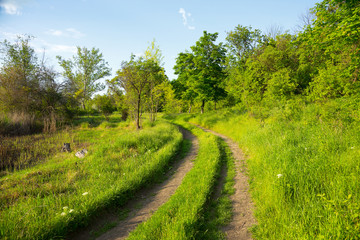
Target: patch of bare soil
{"x":243,"y":217}
{"x":145,"y":203}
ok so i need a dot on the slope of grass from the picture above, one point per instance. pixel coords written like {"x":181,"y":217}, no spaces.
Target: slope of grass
{"x":182,"y":215}
{"x":54,"y":197}
{"x":304,"y":171}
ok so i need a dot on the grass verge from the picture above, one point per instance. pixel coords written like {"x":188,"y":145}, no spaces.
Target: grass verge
{"x":53,"y":198}
{"x":304,"y":172}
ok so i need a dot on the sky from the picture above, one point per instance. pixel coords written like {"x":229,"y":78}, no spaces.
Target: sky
{"x":120,"y":28}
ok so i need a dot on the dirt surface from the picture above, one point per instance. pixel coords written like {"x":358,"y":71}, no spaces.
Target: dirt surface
{"x":243,"y":217}
{"x":146,"y":202}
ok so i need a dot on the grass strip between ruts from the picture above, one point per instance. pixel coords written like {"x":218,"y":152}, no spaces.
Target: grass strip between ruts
{"x":181,"y":216}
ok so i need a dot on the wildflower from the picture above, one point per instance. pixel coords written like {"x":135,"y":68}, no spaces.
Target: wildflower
{"x":66,"y":207}
{"x":279,"y":175}
{"x":63,"y":214}
{"x":305,"y":149}
{"x":71,"y":210}
{"x":85,"y":193}
{"x":352,"y":147}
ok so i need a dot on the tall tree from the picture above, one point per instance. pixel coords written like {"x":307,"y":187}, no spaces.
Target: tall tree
{"x":83,"y":72}
{"x":206,"y":73}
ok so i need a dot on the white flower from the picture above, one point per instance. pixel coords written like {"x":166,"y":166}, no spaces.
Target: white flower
{"x":63,"y":214}
{"x":352,"y":147}
{"x":279,"y":175}
{"x":66,"y":207}
{"x":85,"y":193}
{"x":71,"y":210}
{"x":305,"y":149}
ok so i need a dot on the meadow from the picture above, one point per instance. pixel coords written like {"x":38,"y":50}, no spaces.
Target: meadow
{"x":303,"y":166}
{"x":58,"y":192}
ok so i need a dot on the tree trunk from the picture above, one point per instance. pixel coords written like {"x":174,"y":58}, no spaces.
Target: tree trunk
{"x":190,"y":108}
{"x":202,"y":106}
{"x":215,"y":105}
{"x":138,"y":112}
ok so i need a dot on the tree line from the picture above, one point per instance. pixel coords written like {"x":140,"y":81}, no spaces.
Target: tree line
{"x":251,"y":69}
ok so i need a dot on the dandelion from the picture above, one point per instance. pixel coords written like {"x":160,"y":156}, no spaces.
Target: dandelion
{"x":85,"y":193}
{"x":71,"y":210}
{"x":63,"y":214}
{"x":65,"y":208}
{"x":279,"y":175}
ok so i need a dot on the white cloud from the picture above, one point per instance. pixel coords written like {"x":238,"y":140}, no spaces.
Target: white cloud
{"x":44,"y":46}
{"x":185,"y":18}
{"x":69,"y":32}
{"x":10,"y":7}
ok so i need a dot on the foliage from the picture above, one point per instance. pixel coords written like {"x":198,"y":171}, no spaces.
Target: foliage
{"x":105,"y":104}
{"x":28,"y":86}
{"x":139,"y":78}
{"x":202,"y":72}
{"x":83,"y":72}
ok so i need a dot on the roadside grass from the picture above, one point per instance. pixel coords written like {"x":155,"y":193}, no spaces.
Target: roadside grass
{"x":304,"y":171}
{"x":181,"y":216}
{"x":63,"y":192}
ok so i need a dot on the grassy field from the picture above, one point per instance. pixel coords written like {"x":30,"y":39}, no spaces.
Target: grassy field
{"x":49,"y":198}
{"x":304,"y":170}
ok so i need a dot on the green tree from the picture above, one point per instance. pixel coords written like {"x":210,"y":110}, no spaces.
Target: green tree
{"x":83,"y":72}
{"x":136,"y":77}
{"x":105,"y":104}
{"x":202,"y":72}
{"x":28,"y":86}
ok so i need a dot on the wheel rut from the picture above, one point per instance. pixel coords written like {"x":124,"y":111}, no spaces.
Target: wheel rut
{"x":243,"y":217}
{"x":146,"y":201}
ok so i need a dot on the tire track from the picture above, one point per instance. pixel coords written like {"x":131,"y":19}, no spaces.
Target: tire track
{"x":147,"y":201}
{"x":243,"y":206}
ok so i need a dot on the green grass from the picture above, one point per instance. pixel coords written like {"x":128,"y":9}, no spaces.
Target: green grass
{"x":304,"y":171}
{"x":219,"y":211}
{"x":62,"y":193}
{"x":181,"y":216}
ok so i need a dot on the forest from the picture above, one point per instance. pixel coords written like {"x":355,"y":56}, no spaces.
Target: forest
{"x":289,"y":100}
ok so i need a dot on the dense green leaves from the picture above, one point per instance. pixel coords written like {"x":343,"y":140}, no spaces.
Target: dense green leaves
{"x":202,"y":72}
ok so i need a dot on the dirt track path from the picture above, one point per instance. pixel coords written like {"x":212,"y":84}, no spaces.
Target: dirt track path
{"x":243,"y":217}
{"x":147,"y":201}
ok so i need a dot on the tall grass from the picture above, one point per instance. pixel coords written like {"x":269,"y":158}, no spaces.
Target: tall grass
{"x":181,"y":216}
{"x":50,"y":199}
{"x":304,"y":171}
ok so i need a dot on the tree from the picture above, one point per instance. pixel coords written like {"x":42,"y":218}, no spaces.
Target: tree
{"x":105,"y":104}
{"x":83,"y":72}
{"x":241,"y":43}
{"x":155,"y":92}
{"x":135,"y":77}
{"x":205,"y":74}
{"x":28,"y":86}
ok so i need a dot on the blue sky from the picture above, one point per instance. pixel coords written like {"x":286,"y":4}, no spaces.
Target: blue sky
{"x":119,"y":28}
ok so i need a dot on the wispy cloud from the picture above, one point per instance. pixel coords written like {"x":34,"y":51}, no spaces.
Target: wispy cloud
{"x":44,"y":46}
{"x":186,"y":17}
{"x":10,"y":7}
{"x":69,"y":32}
